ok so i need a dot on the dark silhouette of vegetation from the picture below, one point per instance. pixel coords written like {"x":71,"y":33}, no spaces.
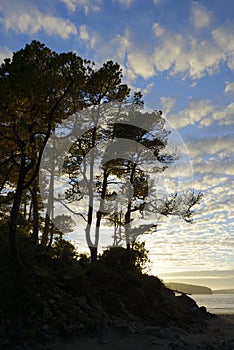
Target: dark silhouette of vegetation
{"x":116,"y":170}
{"x":48,"y":289}
{"x":189,"y":288}
{"x":62,"y":293}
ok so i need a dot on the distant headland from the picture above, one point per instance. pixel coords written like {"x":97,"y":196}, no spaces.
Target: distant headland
{"x":196,"y":289}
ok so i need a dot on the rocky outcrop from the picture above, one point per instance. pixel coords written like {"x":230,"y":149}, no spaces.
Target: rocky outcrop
{"x":188,"y":288}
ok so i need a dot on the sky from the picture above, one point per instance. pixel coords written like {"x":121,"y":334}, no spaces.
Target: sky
{"x":180,"y":54}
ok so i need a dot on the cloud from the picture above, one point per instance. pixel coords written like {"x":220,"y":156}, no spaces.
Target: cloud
{"x":185,"y":54}
{"x":126,"y":3}
{"x":209,"y":235}
{"x":141,"y":64}
{"x":5,"y":53}
{"x":224,"y":116}
{"x":190,"y":56}
{"x":133,"y":58}
{"x":168,"y":50}
{"x":224,"y":39}
{"x":26,"y":18}
{"x":147,"y":89}
{"x":229,"y":88}
{"x":157,"y":2}
{"x":86,"y":5}
{"x":88,"y":35}
{"x":202,"y":112}
{"x":58,"y":26}
{"x":84,"y":35}
{"x":117,"y":48}
{"x":168,"y":104}
{"x":194,"y":112}
{"x":219,"y":146}
{"x":173,"y":52}
{"x":215,"y":167}
{"x":201,"y":17}
{"x":120,"y":49}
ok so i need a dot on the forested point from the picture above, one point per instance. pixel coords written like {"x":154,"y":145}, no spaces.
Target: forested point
{"x":49,"y":290}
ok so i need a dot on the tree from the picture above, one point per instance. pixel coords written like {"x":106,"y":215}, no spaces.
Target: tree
{"x":41,"y":89}
{"x":38,"y":87}
{"x":81,"y":159}
{"x":113,"y":161}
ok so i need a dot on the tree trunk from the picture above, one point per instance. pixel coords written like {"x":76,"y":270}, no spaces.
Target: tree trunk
{"x":128,"y":212}
{"x":93,"y":254}
{"x":45,"y":233}
{"x":33,"y":191}
{"x":128,"y":223}
{"x":25,"y":206}
{"x":12,"y":223}
{"x":93,"y":250}
{"x":49,"y":210}
{"x":51,"y":235}
{"x":101,"y":208}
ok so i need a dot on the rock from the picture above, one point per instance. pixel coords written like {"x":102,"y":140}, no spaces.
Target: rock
{"x":203,"y":309}
{"x":178,"y":346}
{"x":133,"y":328}
{"x":187,"y":302}
{"x":105,"y":335}
{"x":177,"y":331}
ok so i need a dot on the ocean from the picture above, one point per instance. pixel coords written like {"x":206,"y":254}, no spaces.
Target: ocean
{"x":216,"y":303}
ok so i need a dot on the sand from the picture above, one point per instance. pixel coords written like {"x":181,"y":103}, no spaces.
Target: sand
{"x":219,"y":335}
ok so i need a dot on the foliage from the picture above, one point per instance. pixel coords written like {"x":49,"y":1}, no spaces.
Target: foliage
{"x":105,"y":175}
{"x":48,"y":289}
{"x":39,"y":88}
{"x":121,"y":260}
{"x":59,"y":290}
{"x":51,"y":278}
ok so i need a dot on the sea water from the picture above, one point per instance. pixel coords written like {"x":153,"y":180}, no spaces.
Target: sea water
{"x":216,"y":303}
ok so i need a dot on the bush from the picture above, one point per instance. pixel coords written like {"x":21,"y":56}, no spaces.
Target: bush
{"x":123,"y":260}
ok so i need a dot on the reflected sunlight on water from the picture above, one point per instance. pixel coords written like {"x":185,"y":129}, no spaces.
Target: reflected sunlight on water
{"x":216,"y":303}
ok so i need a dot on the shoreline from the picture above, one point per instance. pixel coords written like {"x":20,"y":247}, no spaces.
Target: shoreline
{"x":218,"y":335}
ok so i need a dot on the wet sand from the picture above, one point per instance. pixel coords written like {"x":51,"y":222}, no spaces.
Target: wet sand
{"x":218,"y":335}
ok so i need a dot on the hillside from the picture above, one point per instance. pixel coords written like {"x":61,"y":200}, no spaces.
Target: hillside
{"x":223,"y":291}
{"x":60,"y":295}
{"x":188,"y":288}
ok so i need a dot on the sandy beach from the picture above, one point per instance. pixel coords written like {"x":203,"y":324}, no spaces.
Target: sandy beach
{"x":219,"y":335}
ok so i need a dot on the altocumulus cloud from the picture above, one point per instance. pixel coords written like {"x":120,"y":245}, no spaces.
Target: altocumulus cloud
{"x":217,"y":145}
{"x":200,"y":15}
{"x":229,"y":88}
{"x":27,"y":18}
{"x":186,"y":54}
{"x":86,"y":5}
{"x":202,"y":112}
{"x":4,"y":52}
{"x":88,"y":36}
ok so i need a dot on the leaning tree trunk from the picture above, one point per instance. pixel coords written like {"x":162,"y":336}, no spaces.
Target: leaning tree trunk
{"x":128,"y":213}
{"x":49,"y":210}
{"x":100,"y":211}
{"x":34,"y":194}
{"x":92,"y":247}
{"x":93,"y":254}
{"x":12,"y":222}
{"x":128,"y":223}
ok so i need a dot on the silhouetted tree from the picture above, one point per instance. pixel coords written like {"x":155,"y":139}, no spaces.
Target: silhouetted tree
{"x":38,"y":87}
{"x":114,"y":174}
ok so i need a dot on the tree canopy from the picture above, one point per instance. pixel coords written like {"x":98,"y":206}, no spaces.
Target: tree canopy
{"x":76,"y":138}
{"x":39,"y":88}
{"x":39,"y":92}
